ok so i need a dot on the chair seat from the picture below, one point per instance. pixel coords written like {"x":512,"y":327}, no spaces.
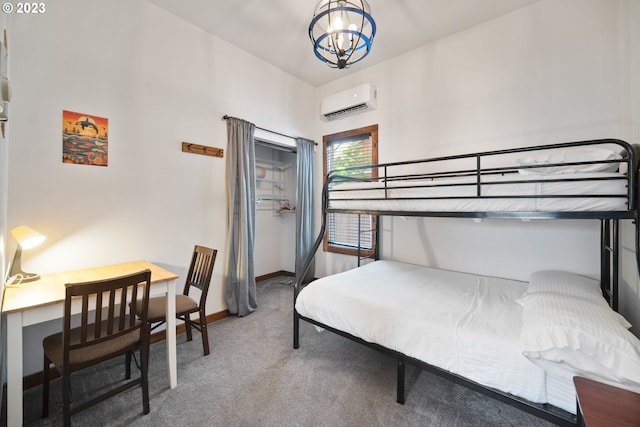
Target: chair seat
{"x":157,"y":307}
{"x":52,"y":346}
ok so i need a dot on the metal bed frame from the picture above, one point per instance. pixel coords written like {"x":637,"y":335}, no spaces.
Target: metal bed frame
{"x":609,"y":237}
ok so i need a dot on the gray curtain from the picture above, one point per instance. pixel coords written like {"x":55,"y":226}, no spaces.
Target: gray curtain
{"x":304,"y":208}
{"x":240,"y":281}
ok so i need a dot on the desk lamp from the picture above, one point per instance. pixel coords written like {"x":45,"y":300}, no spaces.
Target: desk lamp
{"x":27,"y":238}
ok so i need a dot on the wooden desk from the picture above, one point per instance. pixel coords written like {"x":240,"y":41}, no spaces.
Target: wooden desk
{"x":40,"y":301}
{"x":602,"y":405}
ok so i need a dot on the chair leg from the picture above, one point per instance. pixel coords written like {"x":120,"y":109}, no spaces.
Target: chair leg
{"x":187,"y":324}
{"x":144,"y":368}
{"x":203,"y":331}
{"x":45,"y":387}
{"x":66,"y":399}
{"x":127,"y":366}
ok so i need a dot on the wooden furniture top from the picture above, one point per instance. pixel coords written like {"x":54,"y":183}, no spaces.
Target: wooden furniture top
{"x":50,"y":288}
{"x":605,"y":405}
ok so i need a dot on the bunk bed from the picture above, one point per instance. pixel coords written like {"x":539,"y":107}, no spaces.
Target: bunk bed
{"x":518,"y":342}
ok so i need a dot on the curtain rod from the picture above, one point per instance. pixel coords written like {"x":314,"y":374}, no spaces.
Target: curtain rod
{"x":225,"y":117}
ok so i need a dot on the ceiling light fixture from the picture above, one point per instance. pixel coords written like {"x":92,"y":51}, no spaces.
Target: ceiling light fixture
{"x":342,"y":31}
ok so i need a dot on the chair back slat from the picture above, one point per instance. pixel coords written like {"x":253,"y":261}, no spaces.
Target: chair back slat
{"x":111,"y":311}
{"x":98,"y":315}
{"x":84,"y":318}
{"x":134,"y":299}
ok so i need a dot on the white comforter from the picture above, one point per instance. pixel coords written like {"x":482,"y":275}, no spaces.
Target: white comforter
{"x":467,"y":324}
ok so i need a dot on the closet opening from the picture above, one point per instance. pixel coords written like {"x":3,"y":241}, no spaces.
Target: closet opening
{"x":275,"y":240}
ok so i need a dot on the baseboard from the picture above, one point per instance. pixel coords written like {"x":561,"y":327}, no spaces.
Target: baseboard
{"x":273,"y":275}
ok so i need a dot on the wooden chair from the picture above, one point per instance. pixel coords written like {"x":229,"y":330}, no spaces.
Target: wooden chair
{"x":199,"y":276}
{"x":119,"y":332}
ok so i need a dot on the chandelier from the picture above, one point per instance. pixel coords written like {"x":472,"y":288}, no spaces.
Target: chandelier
{"x":342,"y":31}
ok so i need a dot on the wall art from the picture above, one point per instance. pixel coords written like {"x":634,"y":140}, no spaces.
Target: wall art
{"x":85,"y":139}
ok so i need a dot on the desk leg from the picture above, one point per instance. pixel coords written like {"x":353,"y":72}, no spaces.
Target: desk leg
{"x":171,"y":333}
{"x":14,"y":369}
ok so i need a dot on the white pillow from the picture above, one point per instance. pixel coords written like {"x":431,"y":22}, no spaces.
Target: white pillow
{"x":565,"y":283}
{"x":567,"y":155}
{"x":557,"y":282}
{"x":562,"y":333}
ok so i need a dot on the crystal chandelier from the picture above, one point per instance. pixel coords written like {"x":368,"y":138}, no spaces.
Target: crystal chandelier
{"x":342,"y":31}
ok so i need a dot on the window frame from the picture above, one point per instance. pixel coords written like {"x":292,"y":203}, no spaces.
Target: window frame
{"x":367,"y":131}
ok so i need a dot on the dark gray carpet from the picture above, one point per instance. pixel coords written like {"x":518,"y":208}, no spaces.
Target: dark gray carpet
{"x":253,"y":377}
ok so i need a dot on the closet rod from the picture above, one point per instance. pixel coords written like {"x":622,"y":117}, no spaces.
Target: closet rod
{"x":225,"y":117}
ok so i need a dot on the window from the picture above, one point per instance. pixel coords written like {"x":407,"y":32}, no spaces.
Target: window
{"x":355,"y":147}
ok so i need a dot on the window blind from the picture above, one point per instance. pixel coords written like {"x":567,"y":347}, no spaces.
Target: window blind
{"x":343,"y":228}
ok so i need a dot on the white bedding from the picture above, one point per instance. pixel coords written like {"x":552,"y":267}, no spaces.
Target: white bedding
{"x":467,"y":324}
{"x":400,"y":199}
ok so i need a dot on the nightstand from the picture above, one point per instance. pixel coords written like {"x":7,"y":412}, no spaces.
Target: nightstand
{"x":604,"y":405}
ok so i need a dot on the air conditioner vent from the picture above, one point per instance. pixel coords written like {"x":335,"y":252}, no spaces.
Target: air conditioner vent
{"x":344,"y":111}
{"x":352,"y":101}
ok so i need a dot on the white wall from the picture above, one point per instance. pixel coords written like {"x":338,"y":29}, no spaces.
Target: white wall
{"x":551,"y":72}
{"x":159,"y":81}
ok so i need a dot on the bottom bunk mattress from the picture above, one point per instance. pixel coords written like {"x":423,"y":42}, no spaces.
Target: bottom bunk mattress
{"x":466,"y":324}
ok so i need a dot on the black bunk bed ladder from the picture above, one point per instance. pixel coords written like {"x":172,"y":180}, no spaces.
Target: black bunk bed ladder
{"x":309,"y":259}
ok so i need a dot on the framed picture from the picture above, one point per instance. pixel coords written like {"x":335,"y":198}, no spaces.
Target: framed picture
{"x":85,"y":139}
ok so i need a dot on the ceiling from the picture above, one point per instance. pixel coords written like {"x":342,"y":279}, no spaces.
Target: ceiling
{"x":277,"y":30}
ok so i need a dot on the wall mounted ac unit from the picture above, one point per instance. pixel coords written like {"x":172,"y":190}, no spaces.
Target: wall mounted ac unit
{"x":358,"y":99}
